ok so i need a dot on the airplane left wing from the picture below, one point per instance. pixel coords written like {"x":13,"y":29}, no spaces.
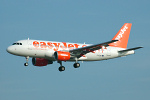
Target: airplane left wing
{"x":84,"y":50}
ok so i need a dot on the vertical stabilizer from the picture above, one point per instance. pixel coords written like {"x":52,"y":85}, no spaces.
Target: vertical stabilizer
{"x":122,"y":36}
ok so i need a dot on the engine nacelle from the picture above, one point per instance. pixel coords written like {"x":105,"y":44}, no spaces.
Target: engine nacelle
{"x":40,"y":62}
{"x":62,"y":56}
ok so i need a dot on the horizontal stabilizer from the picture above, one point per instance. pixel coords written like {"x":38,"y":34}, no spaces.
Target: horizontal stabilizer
{"x":130,"y":49}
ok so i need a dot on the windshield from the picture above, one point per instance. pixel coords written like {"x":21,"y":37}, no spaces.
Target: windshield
{"x":17,"y":44}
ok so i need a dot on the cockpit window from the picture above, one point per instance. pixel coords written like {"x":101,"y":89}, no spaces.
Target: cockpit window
{"x":14,"y":44}
{"x":17,"y":44}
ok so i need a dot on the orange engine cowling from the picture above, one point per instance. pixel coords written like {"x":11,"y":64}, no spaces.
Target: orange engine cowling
{"x":39,"y":61}
{"x":62,"y":56}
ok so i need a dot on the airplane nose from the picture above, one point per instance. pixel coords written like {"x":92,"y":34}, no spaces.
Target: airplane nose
{"x":9,"y":49}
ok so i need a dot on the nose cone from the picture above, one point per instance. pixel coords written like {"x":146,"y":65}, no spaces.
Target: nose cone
{"x":10,"y":49}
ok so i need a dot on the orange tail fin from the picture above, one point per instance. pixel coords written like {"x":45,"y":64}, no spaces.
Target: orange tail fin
{"x":122,"y":36}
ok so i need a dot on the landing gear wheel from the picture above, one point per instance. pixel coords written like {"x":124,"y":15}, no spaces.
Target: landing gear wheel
{"x":26,"y":64}
{"x":61,"y":68}
{"x":76,"y":65}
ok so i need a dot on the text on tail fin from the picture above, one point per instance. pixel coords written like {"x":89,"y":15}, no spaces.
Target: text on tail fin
{"x":122,"y":36}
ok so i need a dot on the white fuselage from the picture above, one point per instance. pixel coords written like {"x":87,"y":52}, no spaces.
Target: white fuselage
{"x":46,"y":49}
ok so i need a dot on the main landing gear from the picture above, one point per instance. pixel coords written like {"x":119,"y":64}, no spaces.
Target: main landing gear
{"x":26,"y":64}
{"x":62,"y":68}
{"x":76,"y":65}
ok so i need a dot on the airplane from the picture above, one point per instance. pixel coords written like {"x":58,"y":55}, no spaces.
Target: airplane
{"x":46,"y":52}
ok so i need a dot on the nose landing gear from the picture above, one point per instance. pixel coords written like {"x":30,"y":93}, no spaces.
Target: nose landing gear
{"x":26,"y":64}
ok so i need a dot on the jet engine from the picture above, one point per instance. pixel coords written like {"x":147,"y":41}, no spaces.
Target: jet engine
{"x":41,"y":62}
{"x":62,"y":56}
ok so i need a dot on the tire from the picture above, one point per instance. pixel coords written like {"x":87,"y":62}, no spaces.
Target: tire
{"x":61,"y":68}
{"x":26,"y":64}
{"x":76,"y":65}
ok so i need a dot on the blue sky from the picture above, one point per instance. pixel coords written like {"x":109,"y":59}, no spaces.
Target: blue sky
{"x":90,"y":21}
